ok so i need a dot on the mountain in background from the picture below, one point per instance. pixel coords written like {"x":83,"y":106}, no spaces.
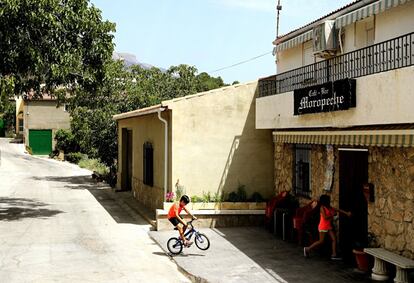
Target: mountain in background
{"x":131,"y":60}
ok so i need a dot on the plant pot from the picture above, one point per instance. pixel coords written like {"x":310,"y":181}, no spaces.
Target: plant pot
{"x":362,"y":260}
{"x":206,"y":206}
{"x":257,"y":205}
{"x":234,"y":206}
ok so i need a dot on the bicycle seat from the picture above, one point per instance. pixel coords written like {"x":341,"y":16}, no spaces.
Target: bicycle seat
{"x":175,"y":228}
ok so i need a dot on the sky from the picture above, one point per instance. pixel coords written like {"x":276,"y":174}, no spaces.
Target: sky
{"x":208,"y":34}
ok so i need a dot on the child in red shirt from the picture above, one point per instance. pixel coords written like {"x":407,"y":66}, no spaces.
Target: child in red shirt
{"x":176,"y":220}
{"x":327,"y":214}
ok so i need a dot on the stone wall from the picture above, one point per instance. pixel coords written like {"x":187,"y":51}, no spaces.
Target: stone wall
{"x":151,"y":197}
{"x":284,"y":172}
{"x":283,"y":167}
{"x":391,"y":170}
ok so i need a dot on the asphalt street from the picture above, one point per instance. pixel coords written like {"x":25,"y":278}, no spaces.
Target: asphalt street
{"x":57,"y":225}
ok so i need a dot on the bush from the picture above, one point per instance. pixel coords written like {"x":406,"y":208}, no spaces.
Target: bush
{"x":29,"y":150}
{"x":54,"y":153}
{"x":257,"y":197}
{"x":74,"y":157}
{"x":196,"y":199}
{"x":233,"y":197}
{"x":207,"y":197}
{"x":94,"y":165}
{"x":65,"y":141}
{"x":241,"y":193}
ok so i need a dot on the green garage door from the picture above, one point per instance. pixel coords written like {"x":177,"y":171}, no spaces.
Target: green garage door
{"x":40,"y":141}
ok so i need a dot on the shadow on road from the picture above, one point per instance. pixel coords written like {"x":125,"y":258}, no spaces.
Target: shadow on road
{"x":286,"y":259}
{"x":103,"y":194}
{"x":83,"y":182}
{"x":13,"y":209}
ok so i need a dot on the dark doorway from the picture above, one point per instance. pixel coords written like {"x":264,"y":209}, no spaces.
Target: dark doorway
{"x":353,"y":173}
{"x":127,"y":158}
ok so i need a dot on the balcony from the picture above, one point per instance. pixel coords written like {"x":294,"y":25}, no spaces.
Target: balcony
{"x":381,"y":57}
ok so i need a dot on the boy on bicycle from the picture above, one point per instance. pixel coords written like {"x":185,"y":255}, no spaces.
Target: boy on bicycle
{"x":176,"y":220}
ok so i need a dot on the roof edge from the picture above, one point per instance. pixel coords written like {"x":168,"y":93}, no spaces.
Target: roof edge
{"x":167,"y":104}
{"x":140,"y":112}
{"x":333,"y":15}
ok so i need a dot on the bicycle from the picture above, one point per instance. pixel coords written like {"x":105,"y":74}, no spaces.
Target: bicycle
{"x":175,"y":245}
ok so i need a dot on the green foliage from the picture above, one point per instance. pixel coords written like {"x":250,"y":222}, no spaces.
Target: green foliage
{"x":196,"y":199}
{"x":74,"y":157}
{"x":218,"y":197}
{"x":241,"y":193}
{"x":257,"y":197}
{"x":94,"y":165}
{"x":123,"y":90}
{"x":53,"y":43}
{"x":207,"y":197}
{"x":65,"y":141}
{"x":179,"y":191}
{"x":238,"y":196}
{"x":206,"y":82}
{"x":233,"y":197}
{"x":7,"y":108}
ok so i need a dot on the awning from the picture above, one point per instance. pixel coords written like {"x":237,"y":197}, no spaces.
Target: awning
{"x":367,"y":11}
{"x":392,"y":138}
{"x":294,"y":41}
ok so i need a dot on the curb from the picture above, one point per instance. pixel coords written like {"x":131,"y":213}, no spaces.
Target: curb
{"x":137,"y":211}
{"x":186,"y":273}
{"x":133,"y":212}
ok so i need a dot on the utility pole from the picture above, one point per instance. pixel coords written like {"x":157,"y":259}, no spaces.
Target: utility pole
{"x":278,"y":8}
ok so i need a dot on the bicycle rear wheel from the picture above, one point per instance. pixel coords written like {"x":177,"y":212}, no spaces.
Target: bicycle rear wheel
{"x":175,"y":246}
{"x":202,"y":242}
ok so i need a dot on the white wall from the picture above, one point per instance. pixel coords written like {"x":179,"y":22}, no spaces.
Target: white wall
{"x":384,"y":98}
{"x":395,"y":22}
{"x":289,"y":59}
{"x":387,"y":25}
{"x":215,"y":145}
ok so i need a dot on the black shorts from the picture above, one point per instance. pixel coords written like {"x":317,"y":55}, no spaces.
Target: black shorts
{"x":174,"y":221}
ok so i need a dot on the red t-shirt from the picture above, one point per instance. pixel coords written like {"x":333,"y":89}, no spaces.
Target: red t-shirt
{"x":173,"y":210}
{"x":324,"y":224}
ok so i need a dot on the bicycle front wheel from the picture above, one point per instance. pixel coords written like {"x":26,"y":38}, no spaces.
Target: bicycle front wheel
{"x":202,"y":242}
{"x":175,"y":246}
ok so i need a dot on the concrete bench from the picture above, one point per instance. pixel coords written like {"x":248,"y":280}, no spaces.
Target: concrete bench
{"x":216,"y":218}
{"x":402,"y":264}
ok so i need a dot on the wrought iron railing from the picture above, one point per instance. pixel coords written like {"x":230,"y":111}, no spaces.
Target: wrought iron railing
{"x":385,"y":56}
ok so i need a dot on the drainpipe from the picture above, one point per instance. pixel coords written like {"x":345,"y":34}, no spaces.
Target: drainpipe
{"x":165,"y":152}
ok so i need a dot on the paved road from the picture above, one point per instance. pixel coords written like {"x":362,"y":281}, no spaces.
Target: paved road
{"x":253,"y":255}
{"x":57,"y":226}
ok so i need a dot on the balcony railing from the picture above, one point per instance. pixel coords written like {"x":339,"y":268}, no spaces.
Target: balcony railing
{"x":385,"y":56}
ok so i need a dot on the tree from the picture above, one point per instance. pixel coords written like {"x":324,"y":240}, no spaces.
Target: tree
{"x":207,"y":82}
{"x":7,"y":109}
{"x":53,"y":43}
{"x":124,"y":90}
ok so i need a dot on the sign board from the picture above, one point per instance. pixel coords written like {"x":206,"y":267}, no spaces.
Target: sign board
{"x":328,"y":97}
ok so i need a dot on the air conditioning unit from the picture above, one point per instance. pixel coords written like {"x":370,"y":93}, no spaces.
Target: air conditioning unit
{"x":325,"y":40}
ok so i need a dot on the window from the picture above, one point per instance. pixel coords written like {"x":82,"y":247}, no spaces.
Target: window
{"x":148,"y":164}
{"x":365,"y":32}
{"x":21,"y":126}
{"x":302,"y":170}
{"x":307,"y":53}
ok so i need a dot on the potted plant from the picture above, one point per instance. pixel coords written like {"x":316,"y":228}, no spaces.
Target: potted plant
{"x":169,"y":197}
{"x":362,"y":259}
